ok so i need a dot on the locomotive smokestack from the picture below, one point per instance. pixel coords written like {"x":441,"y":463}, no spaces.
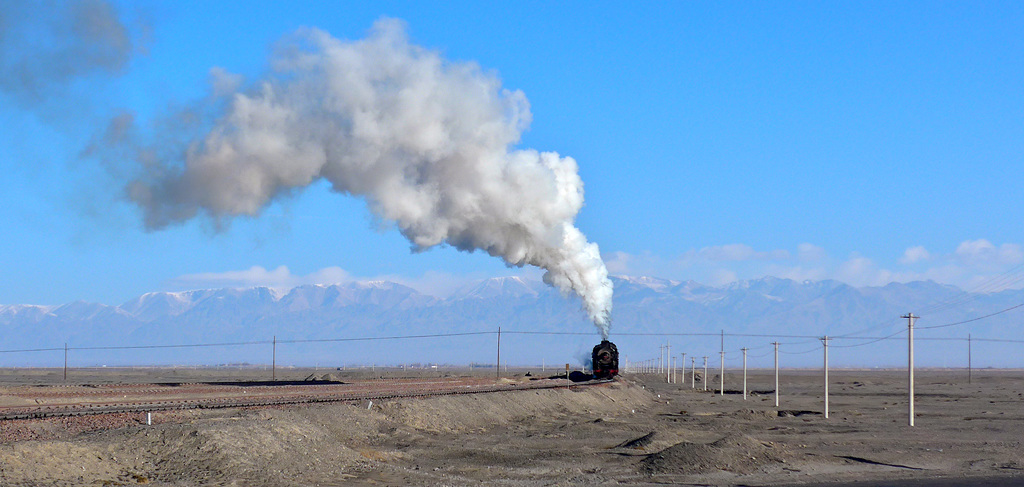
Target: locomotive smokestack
{"x":425,"y":141}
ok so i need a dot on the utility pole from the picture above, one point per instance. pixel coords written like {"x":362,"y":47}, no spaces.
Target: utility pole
{"x":969,"y":370}
{"x":776,"y":372}
{"x":693,"y":372}
{"x":705,"y":379}
{"x":910,"y":365}
{"x":721,"y":375}
{"x":65,"y":361}
{"x":661,"y":356}
{"x":273,"y":361}
{"x":824,"y":341}
{"x":744,"y":373}
{"x":668,"y":362}
{"x":682,"y":368}
{"x":497,"y":366}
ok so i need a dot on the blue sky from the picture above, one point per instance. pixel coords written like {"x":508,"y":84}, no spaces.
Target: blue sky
{"x":865,"y":142}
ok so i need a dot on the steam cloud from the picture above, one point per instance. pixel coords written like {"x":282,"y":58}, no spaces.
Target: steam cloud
{"x":424,"y":140}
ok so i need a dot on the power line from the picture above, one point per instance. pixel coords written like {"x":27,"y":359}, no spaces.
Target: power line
{"x":394,"y":337}
{"x":191,"y":345}
{"x":33,"y":350}
{"x":997,"y":282}
{"x":971,"y":320}
{"x":868,"y":343}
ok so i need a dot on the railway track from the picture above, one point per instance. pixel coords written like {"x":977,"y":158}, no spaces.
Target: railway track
{"x":64,"y":401}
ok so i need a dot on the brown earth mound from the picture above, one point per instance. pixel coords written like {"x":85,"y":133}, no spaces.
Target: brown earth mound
{"x":736,"y":453}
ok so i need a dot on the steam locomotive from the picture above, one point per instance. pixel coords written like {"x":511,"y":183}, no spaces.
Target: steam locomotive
{"x":606,"y":360}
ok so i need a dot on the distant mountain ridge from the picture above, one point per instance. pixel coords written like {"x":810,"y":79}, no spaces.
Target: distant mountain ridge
{"x":643,"y":305}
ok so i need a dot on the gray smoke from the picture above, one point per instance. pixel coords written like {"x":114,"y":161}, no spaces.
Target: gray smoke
{"x":46,"y":45}
{"x":425,"y":141}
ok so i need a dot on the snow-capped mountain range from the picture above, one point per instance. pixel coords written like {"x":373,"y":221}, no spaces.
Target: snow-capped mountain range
{"x":644,"y":307}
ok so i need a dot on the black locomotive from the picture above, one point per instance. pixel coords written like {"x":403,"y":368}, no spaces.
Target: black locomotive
{"x":606,"y":360}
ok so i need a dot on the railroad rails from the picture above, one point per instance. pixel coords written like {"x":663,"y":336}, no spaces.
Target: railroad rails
{"x":32,"y":402}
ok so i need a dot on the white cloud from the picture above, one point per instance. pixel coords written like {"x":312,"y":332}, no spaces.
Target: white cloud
{"x":280,"y":277}
{"x":721,"y":277}
{"x":806,"y":252}
{"x":741,"y":252}
{"x":861,"y":271}
{"x":974,"y":264}
{"x":798,"y":273}
{"x":982,"y":251}
{"x":438,"y":284}
{"x":915,"y":254}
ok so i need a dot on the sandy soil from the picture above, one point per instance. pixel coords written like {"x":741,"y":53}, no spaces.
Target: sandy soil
{"x":639,"y":431}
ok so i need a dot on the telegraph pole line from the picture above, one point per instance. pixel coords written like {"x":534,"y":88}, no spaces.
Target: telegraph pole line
{"x":661,"y":356}
{"x":776,"y":372}
{"x":668,"y":362}
{"x":693,"y":372}
{"x":744,"y":373}
{"x":682,"y":368}
{"x":705,"y":378}
{"x":824,"y":341}
{"x":910,"y":366}
{"x":721,"y":375}
{"x":969,"y":370}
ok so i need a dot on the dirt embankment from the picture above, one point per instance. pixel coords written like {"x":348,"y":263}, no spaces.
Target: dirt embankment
{"x":324,"y":444}
{"x":639,"y":431}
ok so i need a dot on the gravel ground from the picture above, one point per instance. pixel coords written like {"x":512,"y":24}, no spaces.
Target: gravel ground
{"x":639,"y":431}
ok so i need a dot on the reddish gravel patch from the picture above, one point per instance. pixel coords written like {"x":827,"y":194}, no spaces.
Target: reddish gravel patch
{"x":66,"y":427}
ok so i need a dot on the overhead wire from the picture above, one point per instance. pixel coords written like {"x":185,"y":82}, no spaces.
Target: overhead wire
{"x":972,"y":319}
{"x":995,"y":283}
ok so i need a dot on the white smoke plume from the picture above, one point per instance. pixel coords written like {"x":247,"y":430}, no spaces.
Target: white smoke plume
{"x":427,"y":142}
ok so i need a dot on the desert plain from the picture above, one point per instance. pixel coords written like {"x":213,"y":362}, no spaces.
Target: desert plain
{"x":638,"y":430}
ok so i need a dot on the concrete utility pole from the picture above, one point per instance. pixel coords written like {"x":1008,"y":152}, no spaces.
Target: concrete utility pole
{"x":705,"y":379}
{"x":668,"y":362}
{"x":721,"y":375}
{"x":969,"y":371}
{"x":497,"y":366}
{"x":776,"y":373}
{"x":273,"y":362}
{"x":682,"y":368}
{"x":661,"y":356}
{"x":693,"y":372}
{"x":910,"y":365}
{"x":744,"y":373}
{"x":824,"y":341}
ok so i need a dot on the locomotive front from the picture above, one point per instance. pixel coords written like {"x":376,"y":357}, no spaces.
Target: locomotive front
{"x":605,"y":360}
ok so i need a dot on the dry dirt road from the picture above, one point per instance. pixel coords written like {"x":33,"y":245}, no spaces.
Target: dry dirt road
{"x":638,"y":431}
